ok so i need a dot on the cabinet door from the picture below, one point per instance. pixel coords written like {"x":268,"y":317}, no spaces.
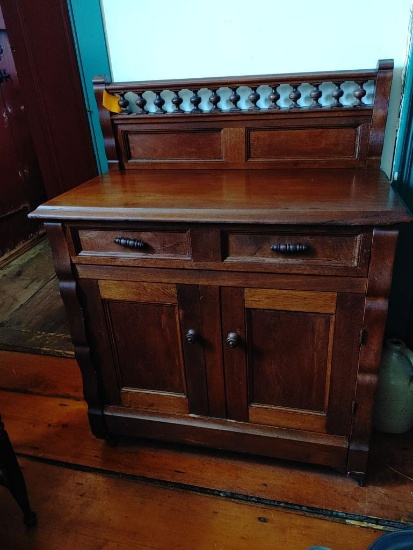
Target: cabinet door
{"x":146,"y":358}
{"x":294,"y":358}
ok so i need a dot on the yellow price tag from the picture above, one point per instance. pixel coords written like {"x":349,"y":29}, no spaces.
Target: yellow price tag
{"x":111,"y":102}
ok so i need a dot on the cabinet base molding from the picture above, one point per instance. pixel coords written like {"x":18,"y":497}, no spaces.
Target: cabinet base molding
{"x":235,"y":436}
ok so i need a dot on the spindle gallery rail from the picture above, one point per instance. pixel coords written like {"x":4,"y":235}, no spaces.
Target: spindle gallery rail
{"x":330,"y":119}
{"x":269,"y":93}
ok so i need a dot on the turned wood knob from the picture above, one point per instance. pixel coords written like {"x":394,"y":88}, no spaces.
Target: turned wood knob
{"x":130,"y":243}
{"x":233,"y":340}
{"x":288,"y":248}
{"x":191,"y":336}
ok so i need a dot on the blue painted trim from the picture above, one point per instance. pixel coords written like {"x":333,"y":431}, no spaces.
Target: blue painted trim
{"x":92,"y":53}
{"x":403,"y":162}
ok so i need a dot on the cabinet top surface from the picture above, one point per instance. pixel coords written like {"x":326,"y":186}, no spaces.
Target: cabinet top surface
{"x":312,"y":196}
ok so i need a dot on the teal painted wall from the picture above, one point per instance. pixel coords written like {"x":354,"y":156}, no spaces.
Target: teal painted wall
{"x":404,"y":147}
{"x":92,"y":53}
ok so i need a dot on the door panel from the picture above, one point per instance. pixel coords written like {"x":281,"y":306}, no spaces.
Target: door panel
{"x":144,"y":325}
{"x":147,"y":343}
{"x":293,"y":352}
{"x":288,"y":368}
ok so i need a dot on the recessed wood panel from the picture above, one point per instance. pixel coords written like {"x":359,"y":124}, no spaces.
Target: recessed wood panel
{"x":146,"y":342}
{"x":130,"y":291}
{"x":287,"y":418}
{"x":155,"y":244}
{"x":302,"y":143}
{"x":289,"y":359}
{"x":154,"y":401}
{"x":328,"y":250}
{"x":175,"y":145}
{"x":290,"y":300}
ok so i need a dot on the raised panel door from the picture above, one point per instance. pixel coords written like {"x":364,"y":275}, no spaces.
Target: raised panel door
{"x":144,"y":338}
{"x":288,"y":367}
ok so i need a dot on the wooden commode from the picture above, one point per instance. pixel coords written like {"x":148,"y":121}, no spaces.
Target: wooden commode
{"x":227,"y":281}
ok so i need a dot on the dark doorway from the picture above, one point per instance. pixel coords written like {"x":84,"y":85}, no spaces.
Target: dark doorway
{"x":21,"y":183}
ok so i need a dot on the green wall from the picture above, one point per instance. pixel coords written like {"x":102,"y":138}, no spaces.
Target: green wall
{"x":92,"y":53}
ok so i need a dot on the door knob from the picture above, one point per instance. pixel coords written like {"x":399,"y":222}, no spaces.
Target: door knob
{"x":192,"y":336}
{"x":233,"y":340}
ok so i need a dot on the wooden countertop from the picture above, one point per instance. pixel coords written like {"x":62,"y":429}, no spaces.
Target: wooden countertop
{"x":310,"y":196}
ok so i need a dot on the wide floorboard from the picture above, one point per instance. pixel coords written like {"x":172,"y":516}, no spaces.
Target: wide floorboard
{"x":88,"y":510}
{"x":144,"y":494}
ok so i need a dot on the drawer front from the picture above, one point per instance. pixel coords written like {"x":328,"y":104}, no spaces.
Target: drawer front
{"x":133,"y":244}
{"x":310,"y":251}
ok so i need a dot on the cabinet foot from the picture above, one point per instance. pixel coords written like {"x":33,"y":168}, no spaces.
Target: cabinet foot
{"x":360,"y":477}
{"x":97,"y":423}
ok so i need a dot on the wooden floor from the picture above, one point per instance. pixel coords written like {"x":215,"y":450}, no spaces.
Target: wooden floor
{"x":149,"y":495}
{"x":32,"y":317}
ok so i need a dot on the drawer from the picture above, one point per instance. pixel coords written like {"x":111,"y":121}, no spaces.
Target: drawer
{"x":132,"y":244}
{"x":343,"y":251}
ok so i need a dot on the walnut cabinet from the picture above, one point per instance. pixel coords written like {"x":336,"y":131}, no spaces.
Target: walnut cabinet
{"x":246,"y":338}
{"x":227,"y":281}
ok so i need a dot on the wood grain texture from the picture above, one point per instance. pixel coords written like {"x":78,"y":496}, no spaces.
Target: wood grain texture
{"x":130,"y":292}
{"x":21,"y":279}
{"x":214,"y":367}
{"x":22,"y":184}
{"x":45,"y":54}
{"x":227,"y":247}
{"x":40,"y":375}
{"x":330,"y":140}
{"x":285,"y":418}
{"x":243,"y":437}
{"x":154,"y":401}
{"x":235,"y":360}
{"x":193,"y":348}
{"x":287,"y":300}
{"x":335,"y":197}
{"x":237,"y":278}
{"x":384,"y":81}
{"x":159,"y":244}
{"x":345,"y":361}
{"x":68,"y":291}
{"x":383,"y":248}
{"x":146,"y":345}
{"x":60,"y":423}
{"x":325,"y":249}
{"x":112,"y":512}
{"x":288,"y":368}
{"x":32,"y":317}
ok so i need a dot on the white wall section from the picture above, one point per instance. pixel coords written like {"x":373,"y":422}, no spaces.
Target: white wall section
{"x":150,"y":40}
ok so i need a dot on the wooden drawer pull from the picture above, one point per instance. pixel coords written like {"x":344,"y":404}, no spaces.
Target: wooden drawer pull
{"x":290,"y":248}
{"x":130,"y":243}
